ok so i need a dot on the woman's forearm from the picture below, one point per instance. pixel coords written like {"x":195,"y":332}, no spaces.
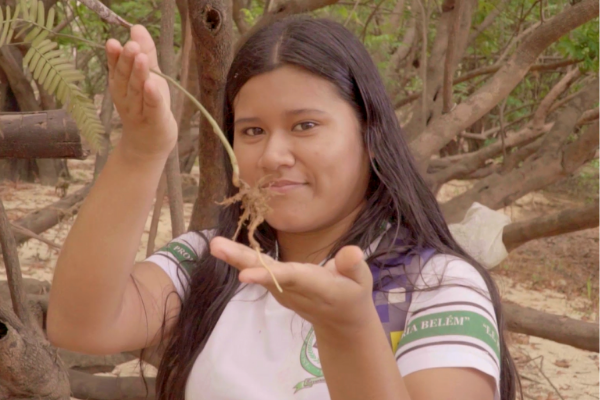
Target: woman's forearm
{"x":99,"y":253}
{"x":359,"y":364}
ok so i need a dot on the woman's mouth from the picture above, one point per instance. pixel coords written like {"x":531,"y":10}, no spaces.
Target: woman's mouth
{"x":284,"y":186}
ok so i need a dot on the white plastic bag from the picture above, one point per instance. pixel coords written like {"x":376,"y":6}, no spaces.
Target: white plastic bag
{"x":480,"y":234}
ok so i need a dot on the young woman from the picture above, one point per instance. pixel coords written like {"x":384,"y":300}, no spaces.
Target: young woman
{"x":378,"y":301}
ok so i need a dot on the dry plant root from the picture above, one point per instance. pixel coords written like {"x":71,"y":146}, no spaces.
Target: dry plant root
{"x":254,"y":203}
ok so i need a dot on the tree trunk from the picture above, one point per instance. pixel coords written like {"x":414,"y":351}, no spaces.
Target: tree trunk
{"x":213,"y":36}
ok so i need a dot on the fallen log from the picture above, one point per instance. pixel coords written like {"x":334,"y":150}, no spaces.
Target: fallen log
{"x":87,"y":386}
{"x":518,"y":233}
{"x":560,"y":329}
{"x":40,"y":134}
{"x":43,"y":219}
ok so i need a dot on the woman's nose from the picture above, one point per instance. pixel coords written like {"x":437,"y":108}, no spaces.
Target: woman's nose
{"x":277,"y":152}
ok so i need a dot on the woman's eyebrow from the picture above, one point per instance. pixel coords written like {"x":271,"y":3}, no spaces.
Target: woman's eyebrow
{"x":287,"y":112}
{"x":305,"y":110}
{"x":249,"y":119}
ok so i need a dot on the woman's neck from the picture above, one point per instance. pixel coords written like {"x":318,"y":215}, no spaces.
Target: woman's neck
{"x":313,"y":246}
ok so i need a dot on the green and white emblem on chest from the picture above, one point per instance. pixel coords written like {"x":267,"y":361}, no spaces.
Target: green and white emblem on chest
{"x":309,"y":359}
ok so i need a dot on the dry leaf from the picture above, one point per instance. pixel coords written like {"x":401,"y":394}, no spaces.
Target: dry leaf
{"x":562,"y":363}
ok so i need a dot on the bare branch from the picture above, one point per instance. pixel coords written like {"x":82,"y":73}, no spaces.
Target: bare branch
{"x":472,"y":161}
{"x":497,"y":191}
{"x":450,"y":56}
{"x":404,"y":47}
{"x":487,"y":22}
{"x":369,"y":18}
{"x":395,"y":17}
{"x":540,"y":115}
{"x":446,"y":127}
{"x":486,"y":71}
{"x":41,"y":220}
{"x":105,"y":13}
{"x":423,"y":65}
{"x":34,"y":235}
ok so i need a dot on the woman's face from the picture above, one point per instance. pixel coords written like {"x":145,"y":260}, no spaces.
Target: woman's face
{"x":294,"y":127}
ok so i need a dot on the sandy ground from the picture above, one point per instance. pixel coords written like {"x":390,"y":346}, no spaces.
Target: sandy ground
{"x":548,"y":370}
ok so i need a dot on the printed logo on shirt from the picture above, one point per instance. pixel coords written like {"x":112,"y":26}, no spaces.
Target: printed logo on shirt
{"x":309,"y":359}
{"x":180,"y":251}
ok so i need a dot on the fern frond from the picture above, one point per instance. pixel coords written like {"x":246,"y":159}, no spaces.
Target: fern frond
{"x":51,"y":67}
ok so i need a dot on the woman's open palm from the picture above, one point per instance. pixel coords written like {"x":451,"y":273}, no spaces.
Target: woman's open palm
{"x":335,"y":295}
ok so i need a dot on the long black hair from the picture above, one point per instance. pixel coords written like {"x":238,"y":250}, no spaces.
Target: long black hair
{"x":396,"y":191}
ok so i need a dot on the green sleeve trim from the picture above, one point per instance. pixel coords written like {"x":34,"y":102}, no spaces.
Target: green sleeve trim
{"x":463,"y":323}
{"x":183,"y":254}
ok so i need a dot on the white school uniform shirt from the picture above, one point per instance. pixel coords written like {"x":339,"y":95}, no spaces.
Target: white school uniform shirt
{"x":260,"y":350}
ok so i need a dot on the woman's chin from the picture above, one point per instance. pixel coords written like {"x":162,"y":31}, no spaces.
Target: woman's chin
{"x":292,"y":223}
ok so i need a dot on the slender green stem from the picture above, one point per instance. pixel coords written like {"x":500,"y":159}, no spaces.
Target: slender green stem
{"x":93,"y":44}
{"x":213,"y":123}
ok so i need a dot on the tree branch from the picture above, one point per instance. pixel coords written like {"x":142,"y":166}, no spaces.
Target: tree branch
{"x":446,"y":127}
{"x":486,"y":71}
{"x":472,"y":161}
{"x":13,"y":269}
{"x":547,"y":167}
{"x":450,"y":56}
{"x":542,"y":111}
{"x":167,"y":66}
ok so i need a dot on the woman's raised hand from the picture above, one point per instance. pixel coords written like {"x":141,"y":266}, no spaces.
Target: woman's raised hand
{"x":141,"y":98}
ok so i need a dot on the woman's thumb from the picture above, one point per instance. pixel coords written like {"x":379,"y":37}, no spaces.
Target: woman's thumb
{"x":349,"y":262}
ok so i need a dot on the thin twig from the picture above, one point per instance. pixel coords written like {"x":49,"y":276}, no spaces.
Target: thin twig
{"x":106,"y":13}
{"x":351,"y":12}
{"x":547,"y":379}
{"x":26,"y":232}
{"x":503,"y":128}
{"x":369,"y":18}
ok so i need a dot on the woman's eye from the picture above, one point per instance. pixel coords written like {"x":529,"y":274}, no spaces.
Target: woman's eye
{"x":302,"y":126}
{"x":253,"y":131}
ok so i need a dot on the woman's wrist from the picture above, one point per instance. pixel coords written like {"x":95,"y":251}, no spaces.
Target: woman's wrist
{"x":139,"y":159}
{"x":365,"y":324}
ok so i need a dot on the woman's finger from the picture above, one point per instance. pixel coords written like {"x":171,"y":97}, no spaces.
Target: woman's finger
{"x":153,"y":101}
{"x":349,"y":262}
{"x":123,"y":69}
{"x":147,"y":46}
{"x":237,"y":255}
{"x":136,"y":84}
{"x":296,"y":277}
{"x":113,"y":50}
